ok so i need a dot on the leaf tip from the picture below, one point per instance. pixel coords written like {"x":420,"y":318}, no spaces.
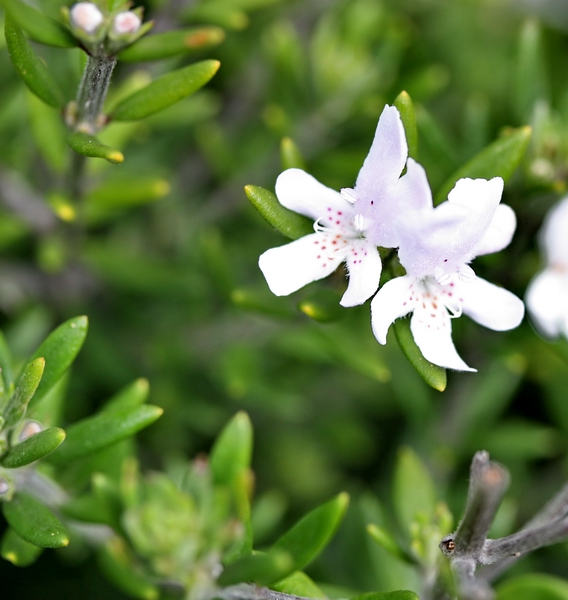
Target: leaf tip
{"x":115,"y":156}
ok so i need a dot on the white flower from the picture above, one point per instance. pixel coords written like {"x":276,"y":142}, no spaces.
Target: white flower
{"x":86,"y":16}
{"x":348,"y":225}
{"x":547,"y":294}
{"x":126,"y":22}
{"x":436,"y":245}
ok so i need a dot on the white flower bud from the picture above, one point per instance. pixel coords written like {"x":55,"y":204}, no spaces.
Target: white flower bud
{"x":125,"y":23}
{"x":30,"y":428}
{"x":86,"y":16}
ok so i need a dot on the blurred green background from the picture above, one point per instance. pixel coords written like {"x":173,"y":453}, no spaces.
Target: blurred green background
{"x":174,"y":294}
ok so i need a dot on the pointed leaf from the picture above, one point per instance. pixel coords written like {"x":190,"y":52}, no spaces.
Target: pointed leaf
{"x":24,"y":392}
{"x":414,"y":492}
{"x":263,"y":568}
{"x":384,"y":538}
{"x":131,"y":396}
{"x":30,"y":68}
{"x":432,"y":374}
{"x":499,"y":159}
{"x":165,"y":91}
{"x":34,"y":522}
{"x":39,"y":27}
{"x":172,"y":43}
{"x":16,"y":550}
{"x":6,"y":362}
{"x":33,"y":448}
{"x":232,"y":450}
{"x":89,"y":145}
{"x":408,"y":116}
{"x":287,"y":222}
{"x":59,"y":350}
{"x":298,"y":584}
{"x":103,"y":429}
{"x":290,"y":155}
{"x":309,"y":536}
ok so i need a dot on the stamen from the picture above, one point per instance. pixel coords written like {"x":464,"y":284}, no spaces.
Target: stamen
{"x":362,"y":223}
{"x":349,"y":195}
{"x":466,"y":272}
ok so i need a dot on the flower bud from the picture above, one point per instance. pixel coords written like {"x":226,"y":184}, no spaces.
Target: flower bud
{"x":126,"y":23}
{"x":29,"y":429}
{"x":86,"y":16}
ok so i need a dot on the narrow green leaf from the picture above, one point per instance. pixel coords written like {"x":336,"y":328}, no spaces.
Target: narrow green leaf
{"x":38,"y":26}
{"x":172,"y":43}
{"x":89,"y":145}
{"x":116,"y":563}
{"x":398,"y":595}
{"x":432,"y":374}
{"x":383,"y":538}
{"x":408,"y":116}
{"x":17,"y":551}
{"x":261,"y":568}
{"x":24,"y":392}
{"x":165,"y":91}
{"x":130,"y":396}
{"x":534,"y":586}
{"x":103,"y":429}
{"x":232,"y":450}
{"x":298,"y":584}
{"x":59,"y":350}
{"x":287,"y":222}
{"x":290,"y":155}
{"x":499,"y":159}
{"x":6,"y":361}
{"x":33,"y":448}
{"x":414,"y":492}
{"x":309,"y":536}
{"x":34,"y":522}
{"x":29,"y":67}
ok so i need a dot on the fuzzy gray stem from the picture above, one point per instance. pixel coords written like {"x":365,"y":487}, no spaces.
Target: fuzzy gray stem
{"x":245,"y":591}
{"x":92,"y":92}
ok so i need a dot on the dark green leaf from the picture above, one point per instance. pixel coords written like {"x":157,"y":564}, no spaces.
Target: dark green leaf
{"x":307,"y":538}
{"x":59,"y":350}
{"x":232,"y":450}
{"x":432,"y":374}
{"x":398,"y":595}
{"x":262,"y":568}
{"x":499,"y":159}
{"x":287,"y":222}
{"x":39,"y":27}
{"x":6,"y":362}
{"x":33,"y":448}
{"x":172,"y":43}
{"x":88,"y":145}
{"x":34,"y":522}
{"x":103,"y":429}
{"x":290,"y":155}
{"x":165,"y":91}
{"x":16,"y":550}
{"x":413,"y":491}
{"x":30,"y":68}
{"x":408,"y":116}
{"x":533,"y":587}
{"x":24,"y":392}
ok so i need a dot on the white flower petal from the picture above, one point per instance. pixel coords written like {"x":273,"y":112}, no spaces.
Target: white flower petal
{"x":490,"y":305}
{"x":432,"y":333}
{"x":395,"y":299}
{"x":290,"y":267}
{"x":364,"y":266}
{"x":554,"y":234}
{"x":481,"y":196}
{"x":304,"y":194}
{"x":546,"y":300}
{"x":499,"y":233}
{"x":386,"y":158}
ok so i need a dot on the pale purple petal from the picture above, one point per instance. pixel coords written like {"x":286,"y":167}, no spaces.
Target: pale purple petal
{"x":290,"y":267}
{"x":500,"y":231}
{"x":395,"y":299}
{"x":304,"y":194}
{"x":432,"y":332}
{"x":554,"y":234}
{"x":490,"y":305}
{"x":547,"y":301}
{"x":386,"y":158}
{"x":364,"y":266}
